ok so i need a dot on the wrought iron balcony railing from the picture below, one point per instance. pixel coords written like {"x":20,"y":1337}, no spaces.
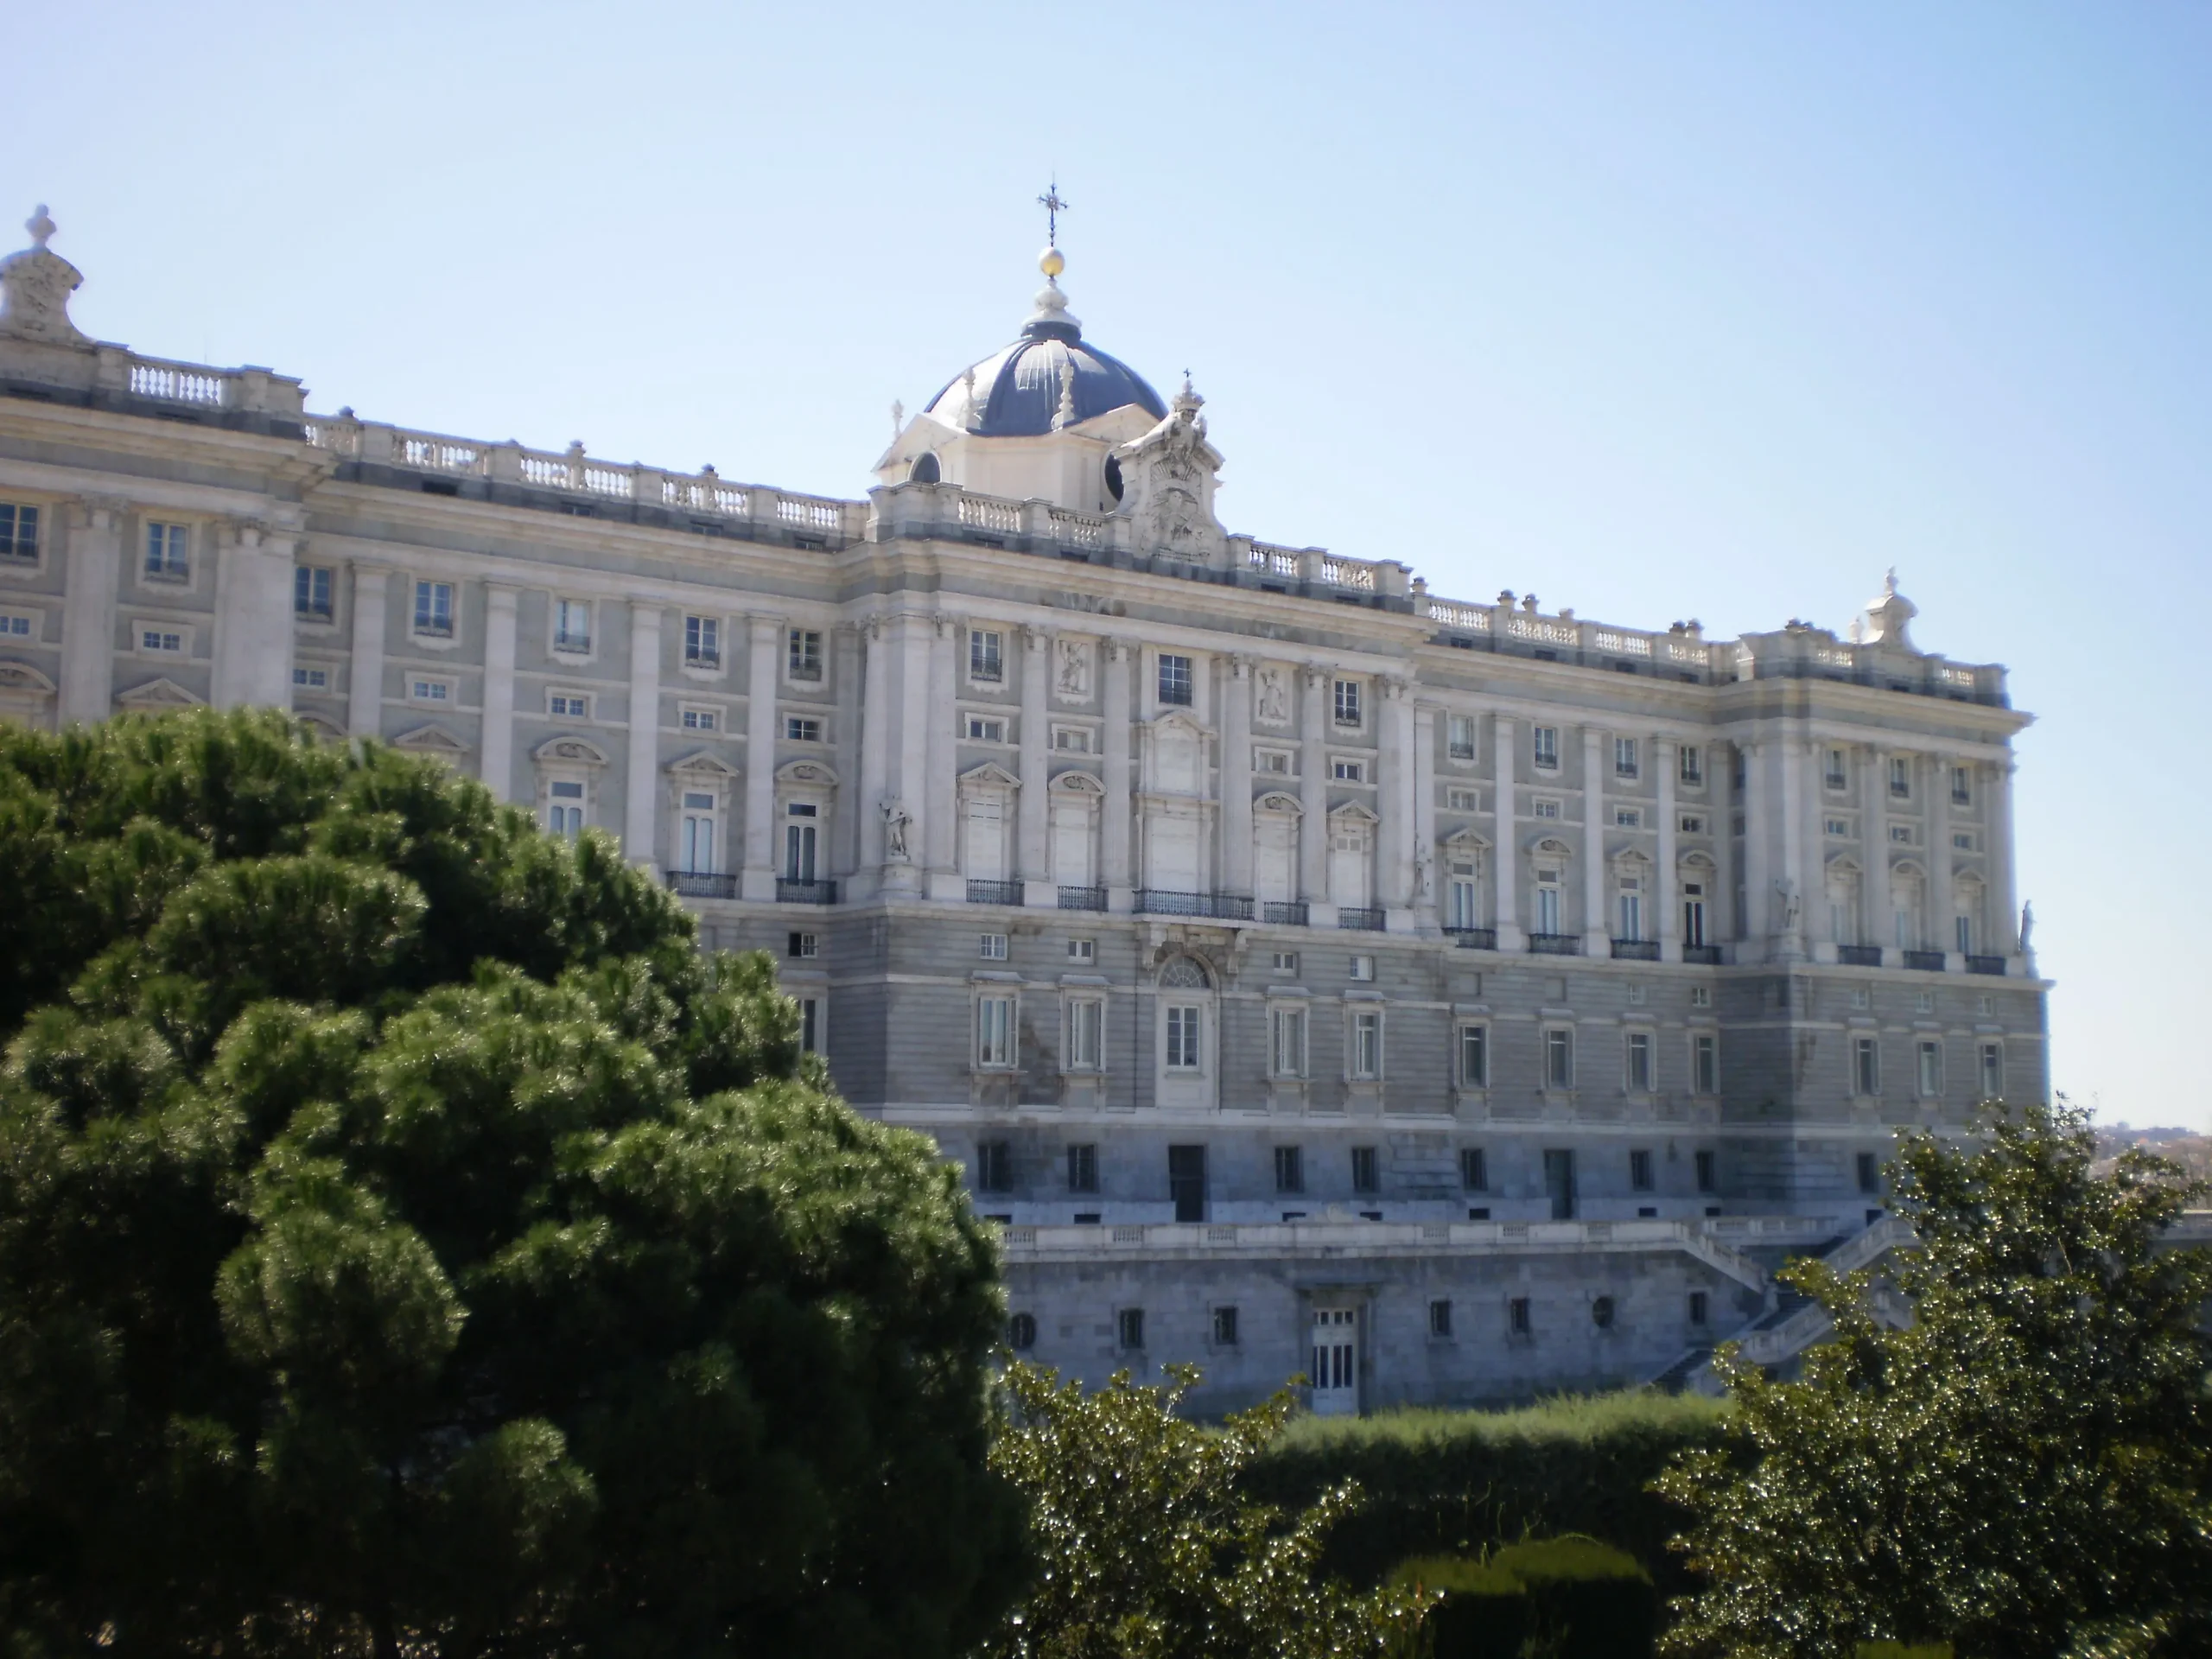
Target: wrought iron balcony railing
{"x":1472,"y":938}
{"x":1555,"y":944}
{"x":1363,"y":921}
{"x":1280,"y":913}
{"x":789,"y":892}
{"x":1635,"y":949}
{"x":698,"y":884}
{"x":1223,"y":907}
{"x":994,"y":892}
{"x":1083,"y":899}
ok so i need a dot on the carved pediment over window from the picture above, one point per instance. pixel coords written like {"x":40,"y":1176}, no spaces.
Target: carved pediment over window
{"x":432,"y":740}
{"x":157,"y":694}
{"x":1076,"y":783}
{"x":566,"y":750}
{"x":1464,"y":843}
{"x":1838,"y":864}
{"x":1353,"y":812}
{"x":699,"y":763}
{"x":811,"y":774}
{"x":328,"y":731}
{"x":25,"y":681}
{"x":1276,"y":801}
{"x":989,"y":776}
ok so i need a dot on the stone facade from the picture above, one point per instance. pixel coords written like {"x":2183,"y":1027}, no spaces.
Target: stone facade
{"x":1460,"y":999}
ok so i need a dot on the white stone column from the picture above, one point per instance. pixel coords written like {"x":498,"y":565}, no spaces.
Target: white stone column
{"x":1669,"y":919}
{"x":640,"y":842}
{"x":1812,"y":831}
{"x":1874,"y":897}
{"x":1114,"y":755}
{"x":876,"y":742}
{"x":763,"y":665}
{"x":1237,"y":775}
{"x":1394,"y":797}
{"x":1313,"y":786}
{"x":930,"y":749}
{"x":1941,"y":895}
{"x":2003,"y":882}
{"x":1597,"y":924}
{"x":364,"y":674}
{"x":95,"y":555}
{"x":1758,"y":863}
{"x":496,"y":751}
{"x":1033,"y":861}
{"x":1423,"y":771}
{"x":1791,"y":946}
{"x":252,"y":649}
{"x":1727,"y":926}
{"x":1506,"y":853}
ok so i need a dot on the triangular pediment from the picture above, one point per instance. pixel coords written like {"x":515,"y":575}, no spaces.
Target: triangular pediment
{"x":699,"y":761}
{"x":990,"y":775}
{"x":431,"y":740}
{"x":159,"y":694}
{"x":1353,"y":812}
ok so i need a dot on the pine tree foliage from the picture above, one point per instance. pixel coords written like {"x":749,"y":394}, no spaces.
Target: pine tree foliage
{"x":1147,"y":1549}
{"x":410,"y":1243}
{"x":2025,"y":1473}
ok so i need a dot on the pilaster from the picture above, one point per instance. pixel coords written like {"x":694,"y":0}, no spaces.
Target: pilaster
{"x":1314,"y":786}
{"x":1393,"y":796}
{"x":1236,"y":774}
{"x":764,"y":651}
{"x":365,"y":676}
{"x":1665,"y":756}
{"x":496,"y":751}
{"x":1032,"y":859}
{"x":1113,"y":769}
{"x":1506,"y":853}
{"x":640,"y":841}
{"x":95,"y":555}
{"x":1596,"y":935}
{"x":252,"y":644}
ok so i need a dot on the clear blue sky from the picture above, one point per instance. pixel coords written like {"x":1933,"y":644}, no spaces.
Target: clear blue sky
{"x":1710,"y":310}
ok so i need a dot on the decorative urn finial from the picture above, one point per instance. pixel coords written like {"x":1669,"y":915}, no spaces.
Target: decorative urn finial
{"x":40,"y":227}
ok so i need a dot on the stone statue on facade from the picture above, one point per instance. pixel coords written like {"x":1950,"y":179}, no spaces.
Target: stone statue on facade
{"x":1073,"y":677}
{"x":897,"y":821}
{"x":2027,"y":925}
{"x":1792,"y":905}
{"x":1424,"y":874}
{"x":1274,"y":698}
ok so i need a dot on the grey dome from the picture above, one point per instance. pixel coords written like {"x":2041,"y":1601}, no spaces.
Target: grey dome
{"x":1017,"y":387}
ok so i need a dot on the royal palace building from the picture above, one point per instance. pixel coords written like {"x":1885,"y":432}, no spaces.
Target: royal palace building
{"x":1449,"y":1000}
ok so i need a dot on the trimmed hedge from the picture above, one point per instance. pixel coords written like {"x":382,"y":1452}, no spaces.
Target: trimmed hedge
{"x":1459,"y":1482}
{"x":1569,"y":1598}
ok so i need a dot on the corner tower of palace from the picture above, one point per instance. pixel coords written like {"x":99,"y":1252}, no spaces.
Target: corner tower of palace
{"x":1447,"y":999}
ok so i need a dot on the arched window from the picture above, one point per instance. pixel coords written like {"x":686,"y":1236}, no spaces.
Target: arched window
{"x":925,"y":470}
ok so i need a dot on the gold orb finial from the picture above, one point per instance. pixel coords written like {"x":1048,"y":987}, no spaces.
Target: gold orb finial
{"x":1052,"y":261}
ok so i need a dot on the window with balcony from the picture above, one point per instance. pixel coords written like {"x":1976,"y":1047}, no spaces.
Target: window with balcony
{"x":1459,"y":737}
{"x":986,"y":656}
{"x":1834,"y":772}
{"x":1961,"y":787}
{"x":1900,"y":779}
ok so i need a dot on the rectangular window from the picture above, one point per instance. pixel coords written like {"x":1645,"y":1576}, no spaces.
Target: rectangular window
{"x":1701,"y":996}
{"x":1691,"y":823}
{"x":984,"y":730}
{"x":1516,"y":1317}
{"x":802,"y":728}
{"x":1869,"y":1172}
{"x":1071,"y":740}
{"x":1225,"y":1328}
{"x":1459,"y":737}
{"x":1962,"y":840}
{"x":1639,"y":1062}
{"x":1184,"y":1031}
{"x":1463,"y":800}
{"x":1290,"y":1169}
{"x":1546,"y":807}
{"x":810,"y":1024}
{"x":1086,"y":1034}
{"x":803,"y":944}
{"x":1347,"y":703}
{"x":16,"y":625}
{"x":568,"y":705}
{"x":803,"y":653}
{"x":434,"y":609}
{"x":1439,"y":1318}
{"x":1286,"y":1041}
{"x":991,"y":947}
{"x":994,"y":1032}
{"x":1083,"y":1167}
{"x":1474,"y":1170}
{"x":1362,"y":969}
{"x":1276,"y":761}
{"x":1128,"y":1328}
{"x":1705,"y":1063}
{"x":1992,"y":1070}
{"x":430,"y":690}
{"x":1474,"y":1057}
{"x":1546,"y":739}
{"x":1367,"y":1046}
{"x":1364,"y":1176}
{"x":564,"y":810}
{"x":311,"y":679}
{"x":1639,"y":1170}
{"x":1083,"y":949}
{"x":1349,"y":771}
{"x":1690,"y":764}
{"x":1174,"y":679}
{"x":1901,"y":834}
{"x":994,"y":1167}
{"x":1628,"y":818}
{"x":168,"y":556}
{"x":1901,"y":777}
{"x":18,"y":530}
{"x":572,"y":625}
{"x":1700,"y":1307}
{"x":1963,"y":928}
{"x":1866,"y":1066}
{"x":1961,"y":787}
{"x":1931,"y":1070}
{"x":1839,"y":826}
{"x":702,"y":642}
{"x":311,"y":593}
{"x":1286,"y":961}
{"x":1707,"y":1175}
{"x":700,"y":720}
{"x":986,"y":655}
{"x":1834,"y":775}
{"x":1625,"y":757}
{"x":1631,"y":906}
{"x":1559,"y":1059}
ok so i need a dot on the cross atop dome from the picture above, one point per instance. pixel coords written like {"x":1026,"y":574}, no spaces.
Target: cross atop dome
{"x":1052,"y":202}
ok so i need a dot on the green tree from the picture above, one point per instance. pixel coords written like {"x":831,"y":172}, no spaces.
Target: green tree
{"x":1145,"y":1548}
{"x":2025,"y":1471}
{"x":410,"y":1243}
